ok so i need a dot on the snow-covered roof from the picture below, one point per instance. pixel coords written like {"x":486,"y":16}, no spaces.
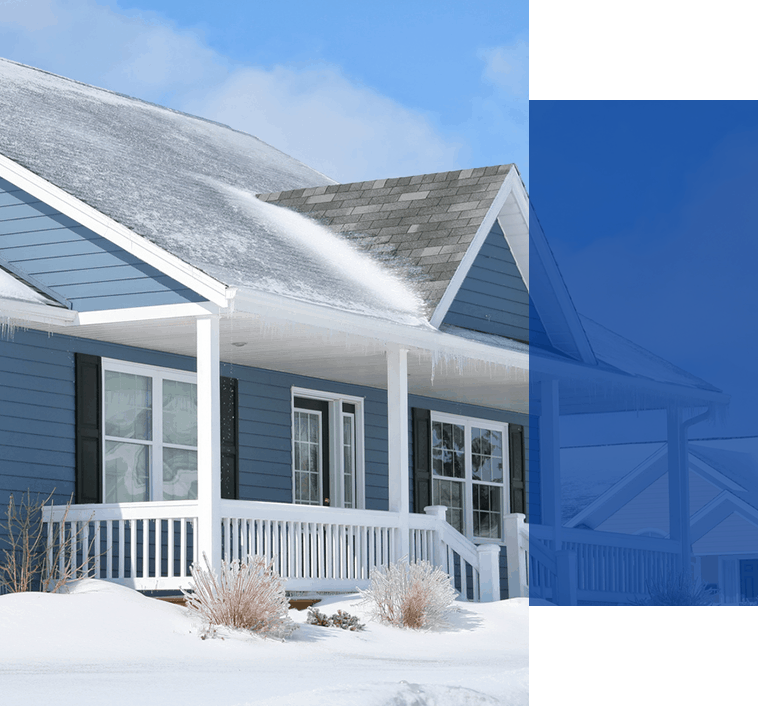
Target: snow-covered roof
{"x":14,"y":289}
{"x":189,"y":185}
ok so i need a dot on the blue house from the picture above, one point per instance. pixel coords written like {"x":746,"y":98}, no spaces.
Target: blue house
{"x":217,"y":350}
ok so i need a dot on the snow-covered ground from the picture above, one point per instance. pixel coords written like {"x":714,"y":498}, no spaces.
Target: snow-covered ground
{"x":104,"y":644}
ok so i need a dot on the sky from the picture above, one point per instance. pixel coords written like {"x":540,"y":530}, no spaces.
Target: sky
{"x":356,"y":90}
{"x":646,"y":205}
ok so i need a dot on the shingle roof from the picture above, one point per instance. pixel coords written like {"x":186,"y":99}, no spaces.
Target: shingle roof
{"x":422,"y":224}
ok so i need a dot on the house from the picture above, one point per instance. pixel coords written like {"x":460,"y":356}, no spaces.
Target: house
{"x":723,"y":502}
{"x":220,"y":351}
{"x":217,"y":350}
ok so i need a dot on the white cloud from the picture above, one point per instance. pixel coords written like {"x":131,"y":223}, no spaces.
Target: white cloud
{"x":507,"y":68}
{"x":316,"y":114}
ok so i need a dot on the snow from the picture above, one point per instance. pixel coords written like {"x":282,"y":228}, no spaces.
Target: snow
{"x":188,"y":185}
{"x":16,"y":290}
{"x":103,"y":643}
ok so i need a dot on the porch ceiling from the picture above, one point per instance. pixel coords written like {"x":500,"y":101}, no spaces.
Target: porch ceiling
{"x":443,"y":372}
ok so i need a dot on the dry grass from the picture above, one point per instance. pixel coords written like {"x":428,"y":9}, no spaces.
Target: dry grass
{"x":249,"y":596}
{"x":416,"y":595}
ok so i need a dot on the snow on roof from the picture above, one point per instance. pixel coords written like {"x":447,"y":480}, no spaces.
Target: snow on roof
{"x":14,"y":289}
{"x":187,"y":185}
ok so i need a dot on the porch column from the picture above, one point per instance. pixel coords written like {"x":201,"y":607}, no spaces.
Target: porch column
{"x":208,"y":441}
{"x":679,"y":486}
{"x":550,"y":458}
{"x":398,"y":444}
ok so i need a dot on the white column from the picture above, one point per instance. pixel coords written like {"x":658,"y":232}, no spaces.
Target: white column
{"x":550,"y":458}
{"x":398,"y":444}
{"x":679,"y":485}
{"x":439,"y":512}
{"x":209,"y":441}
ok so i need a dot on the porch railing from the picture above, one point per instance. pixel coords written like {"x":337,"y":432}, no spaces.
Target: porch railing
{"x":151,"y":546}
{"x":597,"y":566}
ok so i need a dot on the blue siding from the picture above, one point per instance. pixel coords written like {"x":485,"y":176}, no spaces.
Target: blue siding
{"x":84,"y":268}
{"x":37,"y":432}
{"x":493,"y":297}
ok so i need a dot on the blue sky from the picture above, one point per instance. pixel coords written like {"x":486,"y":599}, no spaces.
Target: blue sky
{"x":646,"y":206}
{"x":356,"y":90}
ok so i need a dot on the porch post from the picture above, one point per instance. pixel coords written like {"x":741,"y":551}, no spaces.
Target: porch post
{"x":398,"y":448}
{"x":679,"y":486}
{"x":516,"y":553}
{"x":550,"y":458}
{"x":208,"y":441}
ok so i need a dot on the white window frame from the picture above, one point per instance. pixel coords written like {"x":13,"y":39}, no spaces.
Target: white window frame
{"x":468,"y":480}
{"x":336,"y":444}
{"x":156,"y":374}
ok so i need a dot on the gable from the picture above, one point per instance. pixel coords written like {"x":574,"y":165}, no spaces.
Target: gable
{"x":51,"y":250}
{"x":493,"y":297}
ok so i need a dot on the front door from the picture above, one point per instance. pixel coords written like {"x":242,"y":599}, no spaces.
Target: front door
{"x":311,"y":449}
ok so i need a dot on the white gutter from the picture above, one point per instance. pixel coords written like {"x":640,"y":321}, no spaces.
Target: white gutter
{"x":19,"y":312}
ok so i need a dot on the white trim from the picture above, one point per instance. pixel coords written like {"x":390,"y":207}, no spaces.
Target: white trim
{"x":473,"y":250}
{"x":468,"y":480}
{"x":15,"y":310}
{"x":336,"y":477}
{"x":114,"y":231}
{"x":144,"y":313}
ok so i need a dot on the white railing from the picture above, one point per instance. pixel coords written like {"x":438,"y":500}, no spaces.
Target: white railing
{"x":608,"y":566}
{"x":147,"y":546}
{"x":151,"y":546}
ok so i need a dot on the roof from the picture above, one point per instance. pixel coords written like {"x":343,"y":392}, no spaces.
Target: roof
{"x":424,"y":224}
{"x":188,"y":185}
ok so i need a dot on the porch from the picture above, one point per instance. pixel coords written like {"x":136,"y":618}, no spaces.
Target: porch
{"x":151,"y":546}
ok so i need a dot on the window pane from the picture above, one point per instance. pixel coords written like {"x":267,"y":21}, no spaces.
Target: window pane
{"x":179,"y":474}
{"x":179,"y":413}
{"x":126,"y":472}
{"x":348,"y":460}
{"x":448,"y":453}
{"x":450,"y":494}
{"x":487,"y":512}
{"x":307,"y":455}
{"x":487,"y":455}
{"x":128,"y":406}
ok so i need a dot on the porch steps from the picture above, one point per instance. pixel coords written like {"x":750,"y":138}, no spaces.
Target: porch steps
{"x":296,"y":602}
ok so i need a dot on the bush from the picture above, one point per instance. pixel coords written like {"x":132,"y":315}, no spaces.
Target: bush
{"x":340,"y":619}
{"x":416,"y":595}
{"x":249,"y":596}
{"x":35,"y":558}
{"x":677,"y":589}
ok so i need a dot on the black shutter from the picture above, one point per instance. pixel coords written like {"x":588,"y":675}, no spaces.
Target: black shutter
{"x":89,"y":487}
{"x":422,"y":458}
{"x":230,"y":477}
{"x":517,"y":468}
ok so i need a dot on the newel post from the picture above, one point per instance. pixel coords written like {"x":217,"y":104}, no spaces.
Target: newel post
{"x":208,"y":441}
{"x":489,"y":572}
{"x":440,"y":551}
{"x":516,"y":555}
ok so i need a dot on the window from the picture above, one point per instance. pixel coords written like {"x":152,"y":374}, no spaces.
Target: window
{"x":149,"y":433}
{"x":327,"y":449}
{"x":469,"y":472}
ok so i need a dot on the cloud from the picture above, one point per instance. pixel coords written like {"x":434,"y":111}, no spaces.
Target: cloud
{"x":318,"y":114}
{"x":507,"y":68}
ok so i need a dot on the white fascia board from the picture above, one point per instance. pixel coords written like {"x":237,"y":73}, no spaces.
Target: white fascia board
{"x":21,"y":312}
{"x":713,"y":475}
{"x":519,"y":245}
{"x":473,"y":250}
{"x":278,"y":308}
{"x":145,"y":313}
{"x":598,"y":510}
{"x":716,"y":511}
{"x":171,"y":265}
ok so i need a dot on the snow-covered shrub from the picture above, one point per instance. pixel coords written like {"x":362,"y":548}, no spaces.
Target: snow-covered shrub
{"x":416,"y":595}
{"x":247,"y":595}
{"x":678,"y":588}
{"x":340,"y":619}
